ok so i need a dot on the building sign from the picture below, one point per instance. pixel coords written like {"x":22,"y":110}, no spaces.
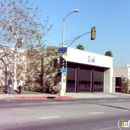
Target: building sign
{"x":91,"y":59}
{"x":63,"y":70}
{"x":62,"y":50}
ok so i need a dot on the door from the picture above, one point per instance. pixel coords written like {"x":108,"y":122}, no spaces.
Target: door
{"x":71,"y":77}
{"x":84,"y":79}
{"x":98,"y":79}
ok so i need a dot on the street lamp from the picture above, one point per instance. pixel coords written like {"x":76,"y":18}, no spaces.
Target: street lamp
{"x":63,"y":25}
{"x":63,"y":74}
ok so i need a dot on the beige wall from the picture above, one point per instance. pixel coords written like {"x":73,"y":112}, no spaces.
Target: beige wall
{"x":121,"y":72}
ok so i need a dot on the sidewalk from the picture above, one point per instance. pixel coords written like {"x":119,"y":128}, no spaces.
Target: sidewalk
{"x":66,"y":96}
{"x":33,"y":96}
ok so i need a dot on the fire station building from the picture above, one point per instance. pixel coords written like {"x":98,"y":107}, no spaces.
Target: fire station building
{"x":89,"y":72}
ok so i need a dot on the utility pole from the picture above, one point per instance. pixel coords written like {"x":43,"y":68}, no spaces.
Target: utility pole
{"x":64,"y":74}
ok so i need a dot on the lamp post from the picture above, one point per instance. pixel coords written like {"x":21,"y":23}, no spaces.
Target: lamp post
{"x":63,"y":74}
{"x":63,"y":25}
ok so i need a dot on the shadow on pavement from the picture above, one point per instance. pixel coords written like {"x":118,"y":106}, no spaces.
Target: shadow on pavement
{"x":115,"y":107}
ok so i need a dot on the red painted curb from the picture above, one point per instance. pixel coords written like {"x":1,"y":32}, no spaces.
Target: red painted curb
{"x":32,"y":97}
{"x":41,"y":97}
{"x":63,"y":97}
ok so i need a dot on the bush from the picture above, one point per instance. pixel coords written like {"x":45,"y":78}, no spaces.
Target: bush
{"x":26,"y":87}
{"x":2,"y":88}
{"x":35,"y":87}
{"x":54,"y":89}
{"x":124,"y":85}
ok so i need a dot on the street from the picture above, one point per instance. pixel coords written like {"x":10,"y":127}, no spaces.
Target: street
{"x":69,"y":114}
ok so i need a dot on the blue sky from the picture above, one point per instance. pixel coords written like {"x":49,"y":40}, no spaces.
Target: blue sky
{"x":110,"y":17}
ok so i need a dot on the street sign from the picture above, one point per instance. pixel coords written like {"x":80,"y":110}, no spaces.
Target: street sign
{"x":62,"y":50}
{"x":63,"y":70}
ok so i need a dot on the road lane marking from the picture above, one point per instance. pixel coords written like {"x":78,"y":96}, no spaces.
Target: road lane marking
{"x":126,"y":110}
{"x":18,"y":109}
{"x":94,"y":113}
{"x":63,"y":106}
{"x":48,"y":117}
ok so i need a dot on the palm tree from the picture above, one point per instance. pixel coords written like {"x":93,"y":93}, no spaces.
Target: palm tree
{"x":109,"y":53}
{"x":80,"y":46}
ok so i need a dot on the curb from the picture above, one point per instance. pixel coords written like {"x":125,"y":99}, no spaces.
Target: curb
{"x":63,"y":97}
{"x":40,"y":97}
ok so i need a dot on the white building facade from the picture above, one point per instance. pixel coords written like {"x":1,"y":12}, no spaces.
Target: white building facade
{"x":89,"y":72}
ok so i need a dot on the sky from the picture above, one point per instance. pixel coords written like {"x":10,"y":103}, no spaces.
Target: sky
{"x":110,"y":17}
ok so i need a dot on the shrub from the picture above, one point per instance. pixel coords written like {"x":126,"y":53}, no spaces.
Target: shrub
{"x":124,"y":85}
{"x":35,"y":87}
{"x":26,"y":87}
{"x":2,"y":88}
{"x":54,"y":89}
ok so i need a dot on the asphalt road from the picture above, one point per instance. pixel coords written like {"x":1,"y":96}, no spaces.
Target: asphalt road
{"x":52,"y":114}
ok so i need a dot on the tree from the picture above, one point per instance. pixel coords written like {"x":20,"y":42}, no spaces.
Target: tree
{"x":125,"y":85}
{"x":20,"y":27}
{"x":80,"y":46}
{"x":109,"y":53}
{"x":6,"y":57}
{"x":40,"y":68}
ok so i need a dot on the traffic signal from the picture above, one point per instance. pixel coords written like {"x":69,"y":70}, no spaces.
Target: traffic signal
{"x":93,"y":33}
{"x":55,"y":63}
{"x":65,"y":64}
{"x":61,"y":62}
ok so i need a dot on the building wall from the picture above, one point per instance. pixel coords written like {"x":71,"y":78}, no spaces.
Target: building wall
{"x":89,"y":58}
{"x":121,"y":72}
{"x":93,"y":59}
{"x":108,"y":81}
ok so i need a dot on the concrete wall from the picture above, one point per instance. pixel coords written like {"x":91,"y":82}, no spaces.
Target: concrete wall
{"x":108,"y":81}
{"x":121,"y":72}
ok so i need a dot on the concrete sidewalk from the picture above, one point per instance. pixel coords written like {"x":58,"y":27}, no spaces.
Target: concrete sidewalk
{"x":67,"y":96}
{"x":98,"y":95}
{"x":33,"y":96}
